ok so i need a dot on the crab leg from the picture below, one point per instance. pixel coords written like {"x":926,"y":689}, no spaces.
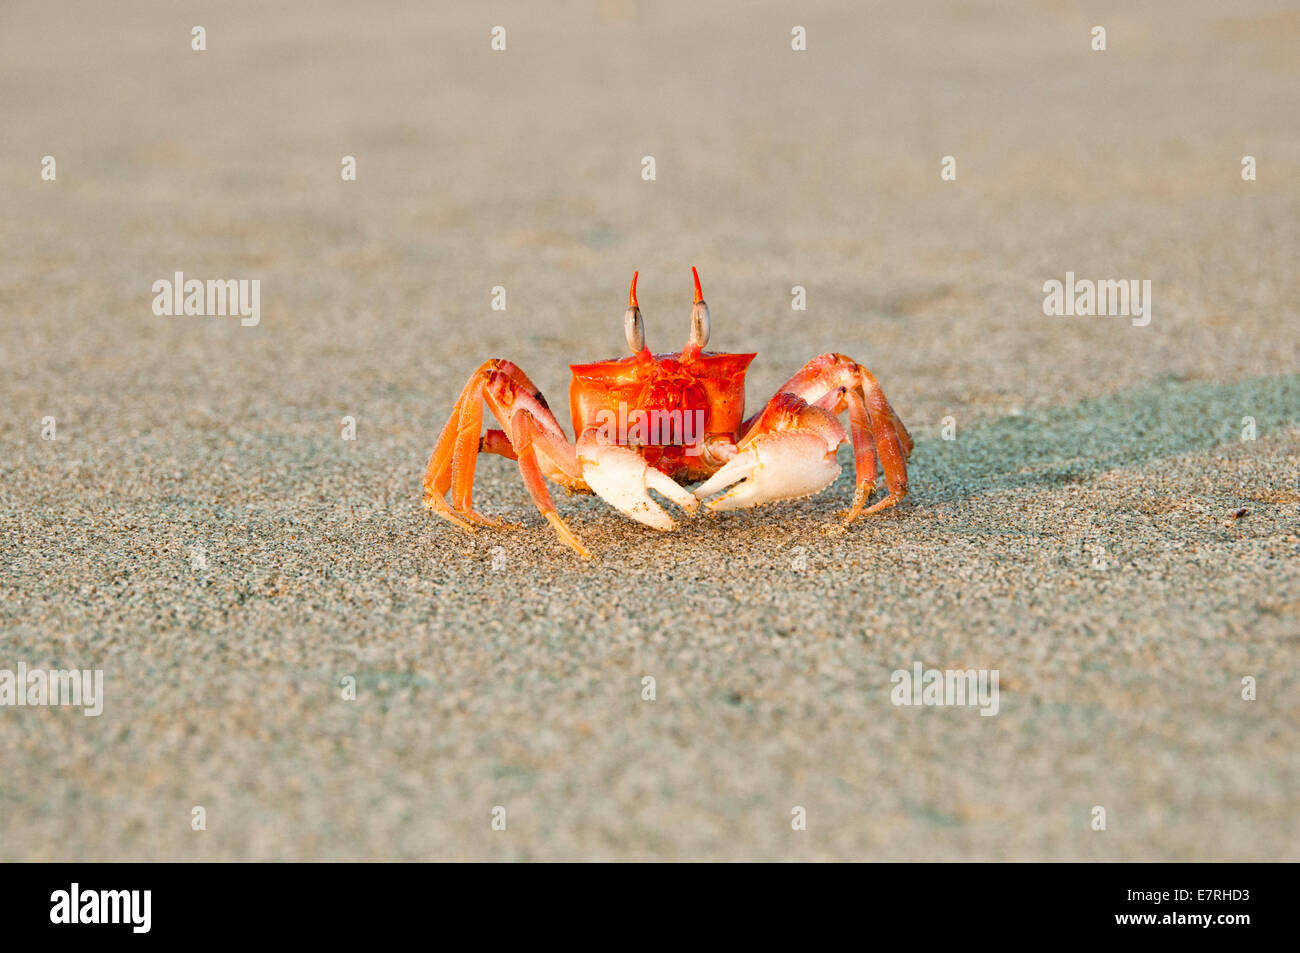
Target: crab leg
{"x":893,"y":444}
{"x":529,"y":426}
{"x":496,"y":441}
{"x":827,"y":385}
{"x":526,"y":434}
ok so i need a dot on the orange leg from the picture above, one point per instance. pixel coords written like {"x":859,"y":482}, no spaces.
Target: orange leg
{"x":496,"y":441}
{"x":526,"y":433}
{"x":836,"y":383}
{"x":528,"y":425}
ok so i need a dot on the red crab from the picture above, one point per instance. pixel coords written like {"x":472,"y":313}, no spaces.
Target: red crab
{"x":686,"y":418}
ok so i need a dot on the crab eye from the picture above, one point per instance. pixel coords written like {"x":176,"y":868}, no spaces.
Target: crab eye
{"x":632,"y":325}
{"x":700,"y":325}
{"x":699,"y":317}
{"x":634,"y":330}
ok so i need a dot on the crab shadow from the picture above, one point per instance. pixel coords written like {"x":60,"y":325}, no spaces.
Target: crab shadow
{"x":1076,"y":442}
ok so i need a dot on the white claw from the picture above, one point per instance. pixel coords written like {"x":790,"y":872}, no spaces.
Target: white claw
{"x":621,"y":478}
{"x":775,"y":466}
{"x":737,"y":468}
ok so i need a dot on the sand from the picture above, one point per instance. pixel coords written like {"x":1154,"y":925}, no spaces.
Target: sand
{"x":1096,"y":529}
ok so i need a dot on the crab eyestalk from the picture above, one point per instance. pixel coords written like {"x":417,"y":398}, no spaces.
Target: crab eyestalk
{"x":699,"y":322}
{"x":633,"y":326}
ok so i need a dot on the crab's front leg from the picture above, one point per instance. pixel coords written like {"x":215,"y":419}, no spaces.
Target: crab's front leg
{"x":788,"y":449}
{"x":531,"y":434}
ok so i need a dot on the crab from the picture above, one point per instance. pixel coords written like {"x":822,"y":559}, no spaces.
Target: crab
{"x":688,"y":426}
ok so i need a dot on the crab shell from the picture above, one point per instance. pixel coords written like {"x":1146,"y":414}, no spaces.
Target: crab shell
{"x":710,"y":383}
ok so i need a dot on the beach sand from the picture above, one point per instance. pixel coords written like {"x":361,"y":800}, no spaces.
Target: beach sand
{"x":1097,"y":530}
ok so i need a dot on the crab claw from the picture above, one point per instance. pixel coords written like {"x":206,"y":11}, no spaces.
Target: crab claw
{"x":778,"y":466}
{"x":622,"y":478}
{"x":790,"y":454}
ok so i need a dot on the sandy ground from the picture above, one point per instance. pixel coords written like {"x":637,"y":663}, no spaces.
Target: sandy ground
{"x":1078,"y":534}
